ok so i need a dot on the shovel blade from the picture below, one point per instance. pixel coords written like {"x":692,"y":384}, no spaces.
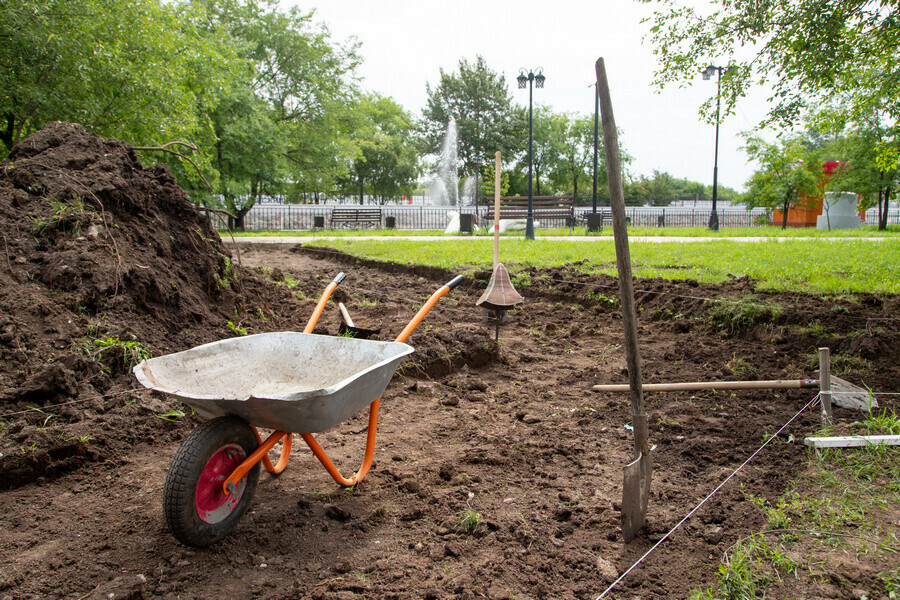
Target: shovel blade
{"x":357,"y":332}
{"x":636,"y":495}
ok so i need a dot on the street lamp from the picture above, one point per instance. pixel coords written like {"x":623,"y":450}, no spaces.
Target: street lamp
{"x":478,"y":161}
{"x":596,"y":138}
{"x":708,"y":72}
{"x":538,"y":81}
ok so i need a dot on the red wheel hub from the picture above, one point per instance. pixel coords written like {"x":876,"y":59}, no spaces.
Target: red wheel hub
{"x":212,"y":503}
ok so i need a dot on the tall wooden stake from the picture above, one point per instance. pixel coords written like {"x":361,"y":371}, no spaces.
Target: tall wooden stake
{"x":496,"y":209}
{"x":636,"y":488}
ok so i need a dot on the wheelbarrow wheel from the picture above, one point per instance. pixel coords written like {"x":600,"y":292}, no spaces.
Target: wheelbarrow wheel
{"x":197,"y":509}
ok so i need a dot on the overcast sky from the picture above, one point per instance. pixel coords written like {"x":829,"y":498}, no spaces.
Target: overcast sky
{"x":406,"y":43}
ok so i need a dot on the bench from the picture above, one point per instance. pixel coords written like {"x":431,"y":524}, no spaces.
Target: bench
{"x":355,"y":217}
{"x":544,"y":207}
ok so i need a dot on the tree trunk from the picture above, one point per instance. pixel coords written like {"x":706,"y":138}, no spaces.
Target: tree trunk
{"x":361,"y":190}
{"x":784,"y":212}
{"x":239,"y":221}
{"x":6,"y":135}
{"x":883,"y":212}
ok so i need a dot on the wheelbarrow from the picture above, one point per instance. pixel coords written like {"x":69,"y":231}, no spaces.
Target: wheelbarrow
{"x":287,"y":381}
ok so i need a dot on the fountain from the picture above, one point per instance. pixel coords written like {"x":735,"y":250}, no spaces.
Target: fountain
{"x":443,"y":189}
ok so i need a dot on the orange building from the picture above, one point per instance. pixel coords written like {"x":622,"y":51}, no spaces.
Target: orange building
{"x":805,"y":211}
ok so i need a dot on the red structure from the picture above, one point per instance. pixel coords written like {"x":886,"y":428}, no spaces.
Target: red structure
{"x":804,"y":212}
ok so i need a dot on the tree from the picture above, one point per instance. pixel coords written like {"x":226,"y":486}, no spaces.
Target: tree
{"x":787,"y":174}
{"x":132,"y":69}
{"x":480,"y":102}
{"x":576,"y":155}
{"x":807,"y":50}
{"x":292,"y":84}
{"x":548,"y":143}
{"x":387,"y":162}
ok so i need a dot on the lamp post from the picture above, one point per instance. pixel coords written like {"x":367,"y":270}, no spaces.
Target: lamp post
{"x":531,"y":80}
{"x":708,"y":72}
{"x":478,"y":161}
{"x":596,"y":144}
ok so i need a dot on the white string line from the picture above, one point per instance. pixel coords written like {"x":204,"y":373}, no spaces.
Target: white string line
{"x":702,"y":502}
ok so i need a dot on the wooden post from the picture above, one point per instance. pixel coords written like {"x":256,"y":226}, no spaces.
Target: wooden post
{"x":825,"y":384}
{"x":497,"y":209}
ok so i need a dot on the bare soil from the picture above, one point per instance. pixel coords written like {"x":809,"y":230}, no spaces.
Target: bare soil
{"x":99,"y":248}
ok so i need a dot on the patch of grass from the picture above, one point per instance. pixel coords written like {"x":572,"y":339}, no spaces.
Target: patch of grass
{"x":366,"y":301}
{"x":841,"y":364}
{"x":603,"y":299}
{"x":891,"y":581}
{"x":747,"y":569}
{"x":131,"y":352}
{"x":834,"y":505}
{"x":737,"y":317}
{"x":815,"y":329}
{"x":65,"y":216}
{"x":226,"y":272}
{"x":740,"y":367}
{"x":822,"y":265}
{"x":469,"y":520}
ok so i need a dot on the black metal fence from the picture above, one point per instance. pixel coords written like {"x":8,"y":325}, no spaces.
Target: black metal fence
{"x":305,"y":217}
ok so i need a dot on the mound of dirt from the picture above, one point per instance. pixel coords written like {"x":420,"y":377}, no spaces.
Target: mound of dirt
{"x":105,"y":261}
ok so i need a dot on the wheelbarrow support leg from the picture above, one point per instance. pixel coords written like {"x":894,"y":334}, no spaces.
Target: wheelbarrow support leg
{"x":373,"y":408}
{"x":261,"y":453}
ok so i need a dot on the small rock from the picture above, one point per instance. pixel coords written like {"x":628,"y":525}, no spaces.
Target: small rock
{"x":342,"y":567}
{"x":607,"y":571}
{"x":477,"y":385}
{"x":336,"y":513}
{"x":714,"y":536}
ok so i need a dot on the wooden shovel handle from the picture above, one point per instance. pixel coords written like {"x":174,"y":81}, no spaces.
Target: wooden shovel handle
{"x":345,"y":314}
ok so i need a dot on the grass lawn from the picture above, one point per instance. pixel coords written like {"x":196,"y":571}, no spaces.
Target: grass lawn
{"x":823,"y":266}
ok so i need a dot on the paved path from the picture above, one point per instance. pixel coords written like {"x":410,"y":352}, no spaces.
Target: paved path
{"x":569,"y":238}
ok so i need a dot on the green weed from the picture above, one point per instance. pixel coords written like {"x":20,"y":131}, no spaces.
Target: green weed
{"x":130,"y":352}
{"x":172,"y":416}
{"x":469,"y":519}
{"x":236,"y":329}
{"x":47,"y":416}
{"x":603,"y":299}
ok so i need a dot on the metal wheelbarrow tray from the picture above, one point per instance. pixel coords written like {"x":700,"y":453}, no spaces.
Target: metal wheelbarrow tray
{"x":289,"y":381}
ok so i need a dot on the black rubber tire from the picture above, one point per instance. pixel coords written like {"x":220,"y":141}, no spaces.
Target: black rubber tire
{"x":180,"y":491}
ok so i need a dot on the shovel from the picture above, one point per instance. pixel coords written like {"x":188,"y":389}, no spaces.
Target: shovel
{"x":346,"y":327}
